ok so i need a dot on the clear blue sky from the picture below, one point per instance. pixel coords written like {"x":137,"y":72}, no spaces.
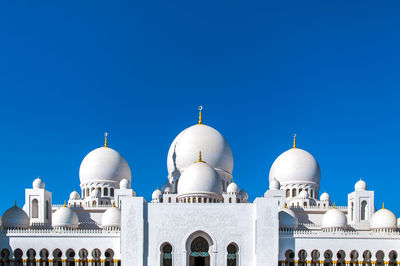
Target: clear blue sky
{"x":327,"y":70}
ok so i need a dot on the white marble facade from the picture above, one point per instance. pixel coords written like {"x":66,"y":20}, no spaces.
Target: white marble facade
{"x":200,"y":216}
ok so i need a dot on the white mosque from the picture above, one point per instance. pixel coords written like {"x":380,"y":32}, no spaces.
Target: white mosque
{"x":199,"y":217}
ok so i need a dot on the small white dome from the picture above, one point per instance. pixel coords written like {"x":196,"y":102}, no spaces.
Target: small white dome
{"x":334,"y":218}
{"x":74,"y":195}
{"x":95,"y":193}
{"x":186,"y":146}
{"x":124,"y":184}
{"x":324,"y":197}
{"x":38,"y":183}
{"x":274,"y":184}
{"x":15,"y":217}
{"x":288,"y":219}
{"x":104,"y":165}
{"x":156,"y":194}
{"x":111,"y":218}
{"x":232,"y":188}
{"x":360,"y":185}
{"x":200,"y":178}
{"x":383,"y":219}
{"x":243,"y":195}
{"x":295,"y":166}
{"x":303,"y":194}
{"x":65,"y":217}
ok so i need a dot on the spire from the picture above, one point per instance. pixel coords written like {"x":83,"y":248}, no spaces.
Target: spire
{"x":294,"y":141}
{"x":200,"y":118}
{"x":200,"y":159}
{"x":334,"y":205}
{"x":105,"y":139}
{"x":383,"y":205}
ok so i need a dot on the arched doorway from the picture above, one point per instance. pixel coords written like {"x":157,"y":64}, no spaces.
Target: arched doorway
{"x":199,"y":255}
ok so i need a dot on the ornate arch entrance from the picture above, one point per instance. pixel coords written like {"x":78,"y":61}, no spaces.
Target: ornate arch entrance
{"x":199,"y":252}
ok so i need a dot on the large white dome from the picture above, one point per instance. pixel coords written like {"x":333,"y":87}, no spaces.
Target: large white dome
{"x":288,"y":219}
{"x":111,"y":218}
{"x":65,"y":217}
{"x":15,"y":217}
{"x":295,"y":166}
{"x":200,"y":178}
{"x":104,"y":165}
{"x":334,"y":218}
{"x":187,"y":145}
{"x":383,"y":219}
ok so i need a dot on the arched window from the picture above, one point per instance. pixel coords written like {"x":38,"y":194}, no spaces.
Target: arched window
{"x":96,"y":254}
{"x":364,"y":210}
{"x":47,"y":209}
{"x":109,"y":254}
{"x":312,"y":193}
{"x":105,"y":191}
{"x":87,"y":192}
{"x":57,"y":254}
{"x":380,"y":258}
{"x":232,"y":257}
{"x":354,"y":257}
{"x":289,"y":255}
{"x":294,"y":192}
{"x":392,"y":258}
{"x":44,"y":257}
{"x":367,"y":257}
{"x":302,"y":258}
{"x":111,"y":192}
{"x":287,"y":193}
{"x":5,"y":256}
{"x":18,"y":257}
{"x":166,"y":254}
{"x":31,"y":257}
{"x":230,"y":200}
{"x":199,"y":252}
{"x":315,"y":257}
{"x":35,"y":208}
{"x":237,"y":200}
{"x":328,"y":258}
{"x":70,"y":257}
{"x":341,"y":255}
{"x":83,"y":254}
{"x":352,"y":211}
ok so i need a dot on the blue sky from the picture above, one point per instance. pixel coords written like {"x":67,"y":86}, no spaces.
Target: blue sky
{"x":327,"y":70}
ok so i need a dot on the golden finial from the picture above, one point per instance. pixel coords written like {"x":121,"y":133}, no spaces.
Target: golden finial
{"x":16,"y":204}
{"x":294,"y":141}
{"x":383,"y":205}
{"x":334,"y":205}
{"x":114,"y":204}
{"x":200,"y":118}
{"x":200,"y":159}
{"x":65,"y":203}
{"x":285,"y":205}
{"x":105,"y":139}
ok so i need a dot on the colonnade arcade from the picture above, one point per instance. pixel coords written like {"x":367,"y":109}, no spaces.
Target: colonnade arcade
{"x":340,"y":258}
{"x":44,"y":257}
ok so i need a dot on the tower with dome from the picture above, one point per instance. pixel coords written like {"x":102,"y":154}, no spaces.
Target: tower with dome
{"x":199,"y":216}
